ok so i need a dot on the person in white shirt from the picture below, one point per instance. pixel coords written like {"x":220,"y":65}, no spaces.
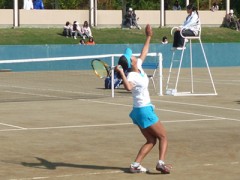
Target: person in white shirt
{"x":190,"y":27}
{"x":215,"y":7}
{"x":164,"y":40}
{"x":143,"y":114}
{"x":27,"y":4}
{"x":67,"y":29}
{"x":86,"y":30}
{"x":77,"y":30}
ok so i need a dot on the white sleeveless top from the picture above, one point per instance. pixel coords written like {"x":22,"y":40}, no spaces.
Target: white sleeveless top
{"x":140,"y":91}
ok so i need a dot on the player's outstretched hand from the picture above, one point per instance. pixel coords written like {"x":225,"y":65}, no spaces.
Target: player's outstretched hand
{"x":148,"y":30}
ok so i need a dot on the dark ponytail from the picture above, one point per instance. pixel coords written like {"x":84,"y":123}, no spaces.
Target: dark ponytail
{"x":193,"y":8}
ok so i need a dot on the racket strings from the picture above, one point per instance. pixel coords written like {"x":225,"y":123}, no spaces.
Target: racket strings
{"x":100,"y":68}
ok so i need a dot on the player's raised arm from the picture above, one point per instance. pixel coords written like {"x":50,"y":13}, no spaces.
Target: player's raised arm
{"x":149,"y":34}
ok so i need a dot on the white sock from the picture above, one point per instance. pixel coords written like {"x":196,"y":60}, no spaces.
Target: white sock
{"x":161,"y":162}
{"x":135,"y":164}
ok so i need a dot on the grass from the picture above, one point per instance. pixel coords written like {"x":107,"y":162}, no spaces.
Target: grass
{"x":34,"y":36}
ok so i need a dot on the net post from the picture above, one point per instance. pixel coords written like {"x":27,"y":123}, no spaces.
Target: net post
{"x":112,"y":75}
{"x":160,"y":61}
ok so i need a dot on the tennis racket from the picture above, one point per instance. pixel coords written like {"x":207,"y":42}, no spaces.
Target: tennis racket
{"x":100,"y":68}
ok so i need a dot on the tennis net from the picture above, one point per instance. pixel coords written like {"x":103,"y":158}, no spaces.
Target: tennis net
{"x":63,"y":78}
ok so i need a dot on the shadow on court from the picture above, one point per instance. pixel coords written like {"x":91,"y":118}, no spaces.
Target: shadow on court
{"x":45,"y":164}
{"x":238,"y":102}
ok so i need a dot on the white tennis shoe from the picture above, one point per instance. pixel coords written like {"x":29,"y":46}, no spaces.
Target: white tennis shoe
{"x":138,"y":169}
{"x":164,"y":168}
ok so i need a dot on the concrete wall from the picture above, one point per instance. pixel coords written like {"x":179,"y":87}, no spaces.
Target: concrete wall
{"x":208,"y":18}
{"x":51,"y":18}
{"x":6,"y":17}
{"x":105,"y":18}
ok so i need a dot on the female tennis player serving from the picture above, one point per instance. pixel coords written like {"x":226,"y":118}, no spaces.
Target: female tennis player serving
{"x":143,"y":114}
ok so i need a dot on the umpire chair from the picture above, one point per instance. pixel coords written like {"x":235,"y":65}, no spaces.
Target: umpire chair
{"x":170,"y":80}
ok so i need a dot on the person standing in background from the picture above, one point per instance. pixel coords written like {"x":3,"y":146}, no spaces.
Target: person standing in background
{"x":28,"y":5}
{"x":38,"y":4}
{"x":215,"y":7}
{"x":176,"y":6}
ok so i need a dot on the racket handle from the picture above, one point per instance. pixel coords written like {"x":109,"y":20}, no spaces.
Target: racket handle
{"x":119,"y":66}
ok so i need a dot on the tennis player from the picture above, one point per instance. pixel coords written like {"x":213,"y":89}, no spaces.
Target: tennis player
{"x":143,"y":114}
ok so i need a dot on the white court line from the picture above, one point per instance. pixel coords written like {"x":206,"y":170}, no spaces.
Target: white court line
{"x":153,"y":100}
{"x":70,"y":175}
{"x":63,"y":91}
{"x":217,"y":82}
{"x":103,"y":125}
{"x":191,"y":120}
{"x":192,"y":104}
{"x":180,"y":112}
{"x":68,"y":127}
{"x":41,"y":95}
{"x":18,"y":127}
{"x":43,"y":89}
{"x":118,"y":104}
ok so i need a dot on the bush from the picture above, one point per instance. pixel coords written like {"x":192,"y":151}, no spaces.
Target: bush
{"x":66,"y":4}
{"x":6,"y":4}
{"x":117,"y":4}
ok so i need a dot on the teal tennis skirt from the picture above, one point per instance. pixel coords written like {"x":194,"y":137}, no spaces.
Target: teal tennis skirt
{"x":143,"y":116}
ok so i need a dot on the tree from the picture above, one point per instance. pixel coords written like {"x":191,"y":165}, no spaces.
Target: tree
{"x":235,"y":5}
{"x":66,"y":4}
{"x":117,"y":4}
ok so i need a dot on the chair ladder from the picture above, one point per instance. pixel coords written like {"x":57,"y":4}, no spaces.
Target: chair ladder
{"x":172,"y":83}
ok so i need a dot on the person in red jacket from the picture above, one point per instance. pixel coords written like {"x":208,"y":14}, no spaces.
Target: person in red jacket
{"x":90,"y":41}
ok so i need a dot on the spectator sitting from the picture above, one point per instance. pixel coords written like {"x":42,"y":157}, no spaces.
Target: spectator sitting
{"x":231,"y":20}
{"x":176,"y":6}
{"x":38,"y":4}
{"x":86,"y":30}
{"x":135,"y":19}
{"x":130,"y":19}
{"x":90,"y":41}
{"x":215,"y":7}
{"x":77,"y":30}
{"x":28,"y":5}
{"x":67,"y":29}
{"x":82,"y":42}
{"x":164,"y":40}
